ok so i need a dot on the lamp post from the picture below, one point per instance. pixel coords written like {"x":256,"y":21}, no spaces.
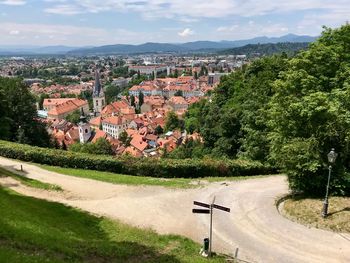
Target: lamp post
{"x":332,"y":156}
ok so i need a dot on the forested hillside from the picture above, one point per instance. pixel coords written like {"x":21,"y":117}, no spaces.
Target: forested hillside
{"x":286,"y":111}
{"x":269,"y":49}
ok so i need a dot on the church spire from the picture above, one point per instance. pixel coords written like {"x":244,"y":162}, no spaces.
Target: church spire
{"x":98,"y":96}
{"x":98,"y":91}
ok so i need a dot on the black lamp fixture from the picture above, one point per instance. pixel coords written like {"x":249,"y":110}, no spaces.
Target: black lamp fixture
{"x":332,"y":156}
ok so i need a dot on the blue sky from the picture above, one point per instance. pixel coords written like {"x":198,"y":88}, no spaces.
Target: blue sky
{"x":99,"y":22}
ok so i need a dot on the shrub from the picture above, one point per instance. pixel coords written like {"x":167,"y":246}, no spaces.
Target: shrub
{"x":167,"y":168}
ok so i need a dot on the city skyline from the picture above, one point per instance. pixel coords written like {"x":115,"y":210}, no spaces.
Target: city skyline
{"x":90,"y":23}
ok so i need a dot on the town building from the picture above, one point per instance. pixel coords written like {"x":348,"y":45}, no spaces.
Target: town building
{"x":120,"y":82}
{"x":49,"y":104}
{"x":114,"y":125}
{"x":214,"y":78}
{"x":62,"y":110}
{"x":178,"y":103}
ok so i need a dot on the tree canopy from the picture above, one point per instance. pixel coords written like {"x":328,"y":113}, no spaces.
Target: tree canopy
{"x":101,"y":146}
{"x":18,"y":114}
{"x":309,"y":114}
{"x":288,"y":112}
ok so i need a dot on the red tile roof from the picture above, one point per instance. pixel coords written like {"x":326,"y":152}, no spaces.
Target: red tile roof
{"x":68,"y":106}
{"x":138,"y":142}
{"x":115,"y":120}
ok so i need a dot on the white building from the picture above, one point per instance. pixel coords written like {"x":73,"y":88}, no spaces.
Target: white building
{"x":120,"y":82}
{"x":84,"y":130}
{"x":114,"y":125}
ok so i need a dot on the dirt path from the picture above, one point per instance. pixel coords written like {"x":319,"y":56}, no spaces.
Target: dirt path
{"x":254,"y":228}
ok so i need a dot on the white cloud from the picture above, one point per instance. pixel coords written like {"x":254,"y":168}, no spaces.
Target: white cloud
{"x":317,"y":12}
{"x":47,"y":34}
{"x":186,"y":32}
{"x":14,"y":32}
{"x":63,"y":10}
{"x":231,"y":13}
{"x":310,"y":22}
{"x":13,"y":2}
{"x":249,"y":30}
{"x":195,"y":9}
{"x":227,"y":28}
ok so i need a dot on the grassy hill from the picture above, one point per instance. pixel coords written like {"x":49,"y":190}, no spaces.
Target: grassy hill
{"x":34,"y":230}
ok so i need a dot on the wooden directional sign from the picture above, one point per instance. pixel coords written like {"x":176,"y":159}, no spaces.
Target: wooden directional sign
{"x":201,"y":204}
{"x":226,"y":209}
{"x":201,"y":211}
{"x":209,"y":211}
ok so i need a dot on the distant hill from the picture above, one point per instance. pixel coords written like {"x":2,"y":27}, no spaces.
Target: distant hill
{"x":189,"y":47}
{"x":266,"y":49}
{"x":129,"y":49}
{"x":36,"y":50}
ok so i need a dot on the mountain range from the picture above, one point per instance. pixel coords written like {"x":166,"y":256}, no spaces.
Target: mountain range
{"x":188,"y":47}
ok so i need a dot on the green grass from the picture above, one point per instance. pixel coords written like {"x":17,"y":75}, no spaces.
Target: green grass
{"x":308,"y":211}
{"x":141,"y":180}
{"x":28,"y":181}
{"x":34,"y":230}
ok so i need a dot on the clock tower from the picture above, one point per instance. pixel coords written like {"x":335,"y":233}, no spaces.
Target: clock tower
{"x":98,"y":96}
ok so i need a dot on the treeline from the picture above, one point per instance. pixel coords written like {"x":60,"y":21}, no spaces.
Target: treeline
{"x":290,"y":48}
{"x":288,"y":112}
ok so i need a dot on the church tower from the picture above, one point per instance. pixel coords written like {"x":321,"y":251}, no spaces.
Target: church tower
{"x":98,"y":96}
{"x":84,"y":129}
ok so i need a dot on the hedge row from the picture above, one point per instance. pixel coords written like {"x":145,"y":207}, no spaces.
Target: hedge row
{"x":166,"y":168}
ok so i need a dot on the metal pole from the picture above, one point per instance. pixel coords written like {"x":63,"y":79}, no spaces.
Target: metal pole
{"x":210,"y":229}
{"x":211,"y":226}
{"x":325,"y":203}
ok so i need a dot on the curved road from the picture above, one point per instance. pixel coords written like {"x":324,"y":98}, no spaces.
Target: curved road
{"x":254,"y":229}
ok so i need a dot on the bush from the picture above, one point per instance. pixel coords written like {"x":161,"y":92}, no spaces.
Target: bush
{"x":166,"y":168}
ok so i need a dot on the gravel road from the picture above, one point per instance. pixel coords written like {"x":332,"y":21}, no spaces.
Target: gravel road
{"x":254,"y":230}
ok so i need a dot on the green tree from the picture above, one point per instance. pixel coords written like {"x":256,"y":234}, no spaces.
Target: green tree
{"x":74,"y":117}
{"x":124,"y":138}
{"x":4,"y":120}
{"x":19,"y":114}
{"x":235,"y":123}
{"x":309,"y":115}
{"x":132,"y":101}
{"x":190,"y":149}
{"x":176,"y":73}
{"x":112,"y":92}
{"x":64,"y":146}
{"x":178,"y":93}
{"x":41,"y":99}
{"x":141,"y":98}
{"x":172,"y":122}
{"x":87,"y":95}
{"x":158,"y":130}
{"x":101,"y":146}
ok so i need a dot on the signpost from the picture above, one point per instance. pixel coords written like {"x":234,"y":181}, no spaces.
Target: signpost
{"x":209,"y":211}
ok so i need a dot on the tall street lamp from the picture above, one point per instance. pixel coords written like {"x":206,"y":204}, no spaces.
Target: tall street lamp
{"x":332,"y":156}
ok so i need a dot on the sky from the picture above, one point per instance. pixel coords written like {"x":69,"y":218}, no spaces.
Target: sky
{"x":101,"y":22}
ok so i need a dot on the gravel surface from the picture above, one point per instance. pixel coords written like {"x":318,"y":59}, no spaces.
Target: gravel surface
{"x":254,"y":230}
